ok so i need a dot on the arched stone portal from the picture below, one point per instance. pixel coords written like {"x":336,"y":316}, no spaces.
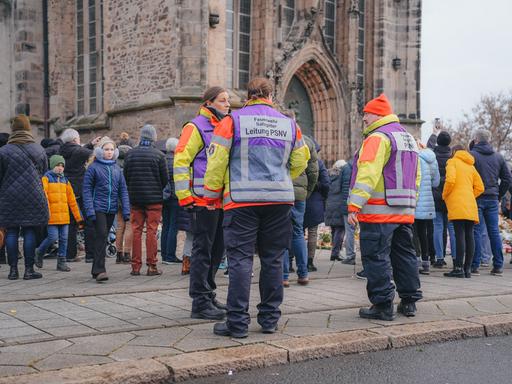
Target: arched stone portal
{"x":312,"y":88}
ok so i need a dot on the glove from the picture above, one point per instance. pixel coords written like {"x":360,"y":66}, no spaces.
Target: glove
{"x":81,"y":225}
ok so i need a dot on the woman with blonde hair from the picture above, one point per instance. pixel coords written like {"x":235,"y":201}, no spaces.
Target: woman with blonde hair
{"x":104,"y":186}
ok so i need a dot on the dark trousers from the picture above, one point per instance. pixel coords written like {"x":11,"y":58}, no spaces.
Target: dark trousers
{"x":464,"y":236}
{"x":423,"y":242}
{"x":269,"y":228}
{"x":168,"y":241}
{"x":388,"y":249}
{"x":89,"y":237}
{"x":102,"y":227}
{"x":207,"y":252}
{"x":338,"y":234}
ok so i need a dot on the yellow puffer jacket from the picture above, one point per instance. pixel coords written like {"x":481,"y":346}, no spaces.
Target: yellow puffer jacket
{"x":61,"y":199}
{"x":462,"y":186}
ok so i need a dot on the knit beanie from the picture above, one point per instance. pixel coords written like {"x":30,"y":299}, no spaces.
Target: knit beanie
{"x":105,"y":140}
{"x":444,"y":138}
{"x":148,"y":132}
{"x":56,"y":160}
{"x":379,"y":106}
{"x":21,"y":123}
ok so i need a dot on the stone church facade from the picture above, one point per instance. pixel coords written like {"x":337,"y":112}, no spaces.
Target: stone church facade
{"x":107,"y":66}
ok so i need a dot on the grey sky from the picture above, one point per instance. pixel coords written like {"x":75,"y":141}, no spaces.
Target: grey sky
{"x":466,"y":52}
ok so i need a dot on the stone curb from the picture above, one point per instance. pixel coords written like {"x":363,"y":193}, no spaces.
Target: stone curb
{"x":186,"y":366}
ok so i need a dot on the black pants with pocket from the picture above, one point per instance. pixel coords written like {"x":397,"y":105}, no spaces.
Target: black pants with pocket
{"x":465,"y":243}
{"x":387,"y":250}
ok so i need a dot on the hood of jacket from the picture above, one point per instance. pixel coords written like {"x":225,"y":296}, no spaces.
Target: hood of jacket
{"x":67,"y":149}
{"x":428,"y":155}
{"x":465,"y":156}
{"x":484,"y":148}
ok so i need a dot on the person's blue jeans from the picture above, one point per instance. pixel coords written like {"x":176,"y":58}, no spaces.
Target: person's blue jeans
{"x":299,"y":248}
{"x":350,"y":252}
{"x":486,"y":245}
{"x":56,"y":232}
{"x":29,"y":245}
{"x":441,"y":224}
{"x":168,"y":240}
{"x":488,"y":213}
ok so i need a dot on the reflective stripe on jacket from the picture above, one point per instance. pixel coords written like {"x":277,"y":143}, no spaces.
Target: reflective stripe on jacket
{"x":253,"y":156}
{"x":190,"y":158}
{"x":368,"y":194}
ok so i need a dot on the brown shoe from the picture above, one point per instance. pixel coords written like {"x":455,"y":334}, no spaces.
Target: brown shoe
{"x":185,"y":266}
{"x":303,"y":281}
{"x":135,"y":273}
{"x":153,"y":271}
{"x":101,"y":277}
{"x":286,"y":283}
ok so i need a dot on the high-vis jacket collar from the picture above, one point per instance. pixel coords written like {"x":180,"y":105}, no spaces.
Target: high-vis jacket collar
{"x":379,"y":123}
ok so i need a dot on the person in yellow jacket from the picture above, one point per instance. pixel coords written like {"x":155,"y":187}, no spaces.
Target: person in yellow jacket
{"x":61,"y":199}
{"x":189,"y":168}
{"x":254,"y":154}
{"x":384,"y":187}
{"x":462,"y":186}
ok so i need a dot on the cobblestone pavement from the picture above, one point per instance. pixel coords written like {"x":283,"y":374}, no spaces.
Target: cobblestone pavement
{"x":68,"y":320}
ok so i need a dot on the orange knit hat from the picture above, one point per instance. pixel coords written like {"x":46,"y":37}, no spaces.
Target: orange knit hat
{"x":379,"y":106}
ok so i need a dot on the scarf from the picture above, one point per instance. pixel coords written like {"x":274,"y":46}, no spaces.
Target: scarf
{"x":21,"y":137}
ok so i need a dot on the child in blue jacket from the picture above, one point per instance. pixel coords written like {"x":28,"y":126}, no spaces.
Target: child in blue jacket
{"x":104,"y":187}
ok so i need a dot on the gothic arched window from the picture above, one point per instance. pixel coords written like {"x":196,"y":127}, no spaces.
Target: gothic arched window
{"x":287,"y":17}
{"x":89,"y":61}
{"x":238,"y":42}
{"x":330,"y":23}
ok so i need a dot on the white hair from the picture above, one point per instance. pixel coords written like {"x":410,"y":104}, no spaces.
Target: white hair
{"x":171,"y":144}
{"x":69,"y":135}
{"x":482,"y":135}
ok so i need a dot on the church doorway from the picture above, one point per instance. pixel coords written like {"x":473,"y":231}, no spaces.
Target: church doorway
{"x":297,"y":99}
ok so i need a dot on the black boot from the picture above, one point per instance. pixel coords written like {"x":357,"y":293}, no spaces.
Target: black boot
{"x":31,"y":274}
{"x":119,"y":257}
{"x":61,"y":265}
{"x":13,"y":273}
{"x":311,"y":266}
{"x":127,"y":259}
{"x":378,"y":312}
{"x":335,"y":258}
{"x":456,"y":272}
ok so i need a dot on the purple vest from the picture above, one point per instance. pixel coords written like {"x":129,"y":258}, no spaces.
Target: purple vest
{"x":198,"y":165}
{"x":263,"y":140}
{"x":400,"y":171}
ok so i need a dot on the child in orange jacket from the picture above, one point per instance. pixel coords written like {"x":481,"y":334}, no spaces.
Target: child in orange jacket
{"x":61,"y":199}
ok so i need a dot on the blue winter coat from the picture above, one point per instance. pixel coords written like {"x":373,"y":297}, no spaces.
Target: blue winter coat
{"x":104,"y":186}
{"x":315,"y":204}
{"x":425,"y":207}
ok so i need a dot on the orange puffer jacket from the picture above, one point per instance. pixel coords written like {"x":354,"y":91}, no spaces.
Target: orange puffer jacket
{"x":61,"y":198}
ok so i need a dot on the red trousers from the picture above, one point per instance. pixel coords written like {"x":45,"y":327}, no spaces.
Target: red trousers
{"x":149,"y":215}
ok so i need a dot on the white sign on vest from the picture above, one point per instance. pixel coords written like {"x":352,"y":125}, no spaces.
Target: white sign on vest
{"x":405,"y":142}
{"x":276,"y":128}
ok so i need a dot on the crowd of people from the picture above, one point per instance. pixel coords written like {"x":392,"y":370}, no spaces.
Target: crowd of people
{"x":247,"y":182}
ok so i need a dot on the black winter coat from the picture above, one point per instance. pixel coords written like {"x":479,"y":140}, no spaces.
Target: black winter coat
{"x":53,"y":149}
{"x":333,"y":212}
{"x":493,"y":170}
{"x":170,"y":172}
{"x":184,"y":220}
{"x":346,"y":175}
{"x":22,"y":199}
{"x":315,"y":204}
{"x":443,"y":154}
{"x":145,"y":171}
{"x":76,"y":158}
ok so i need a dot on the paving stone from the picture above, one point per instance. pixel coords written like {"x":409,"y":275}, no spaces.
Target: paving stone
{"x":71,"y":331}
{"x":9,"y":333}
{"x":131,"y":352}
{"x":487,"y":304}
{"x":166,"y":337}
{"x":12,"y":370}
{"x":315,"y":347}
{"x":202,"y":338}
{"x":28,"y":353}
{"x":459,"y":308}
{"x":102,"y":345}
{"x":66,"y":360}
{"x":437,"y":331}
{"x":199,"y":364}
{"x":495,"y":325}
{"x":138,"y":371}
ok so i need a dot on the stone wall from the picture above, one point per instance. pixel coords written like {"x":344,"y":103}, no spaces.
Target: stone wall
{"x":6,"y":75}
{"x":62,"y":53}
